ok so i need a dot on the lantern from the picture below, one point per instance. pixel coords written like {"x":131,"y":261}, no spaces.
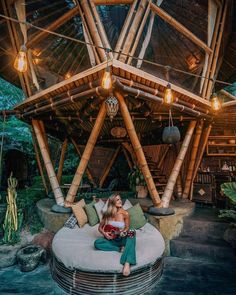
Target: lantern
{"x":168,"y":95}
{"x":112,"y":106}
{"x":20,"y":63}
{"x":215,"y":102}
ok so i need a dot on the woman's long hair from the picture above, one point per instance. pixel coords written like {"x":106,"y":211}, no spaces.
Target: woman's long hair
{"x":111,"y":208}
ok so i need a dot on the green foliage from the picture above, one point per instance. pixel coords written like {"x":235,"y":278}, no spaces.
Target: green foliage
{"x":229,"y":189}
{"x":135,"y":177}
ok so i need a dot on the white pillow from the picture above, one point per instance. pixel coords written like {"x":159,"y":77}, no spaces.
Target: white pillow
{"x":99,"y":207}
{"x":127,"y":204}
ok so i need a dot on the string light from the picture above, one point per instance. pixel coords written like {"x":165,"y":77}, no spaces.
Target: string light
{"x":107,"y":79}
{"x":20,"y":63}
{"x":168,"y":95}
{"x":215,"y":102}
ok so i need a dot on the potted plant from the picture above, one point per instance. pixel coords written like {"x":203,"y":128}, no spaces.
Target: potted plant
{"x":137,"y":182}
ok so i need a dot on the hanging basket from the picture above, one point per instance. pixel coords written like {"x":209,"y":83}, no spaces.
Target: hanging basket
{"x":171,"y":133}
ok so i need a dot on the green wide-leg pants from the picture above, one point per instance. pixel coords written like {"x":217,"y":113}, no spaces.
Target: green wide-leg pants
{"x":129,"y":253}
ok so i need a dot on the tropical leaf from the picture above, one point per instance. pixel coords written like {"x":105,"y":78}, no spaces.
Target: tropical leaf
{"x":229,"y":189}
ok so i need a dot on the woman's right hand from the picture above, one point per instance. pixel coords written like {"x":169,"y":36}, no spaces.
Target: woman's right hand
{"x":108,"y":235}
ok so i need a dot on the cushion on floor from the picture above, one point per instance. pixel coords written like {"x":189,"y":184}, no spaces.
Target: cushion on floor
{"x":75,"y":249}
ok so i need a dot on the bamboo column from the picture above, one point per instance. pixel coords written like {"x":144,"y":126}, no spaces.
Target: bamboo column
{"x":87,"y":154}
{"x":204,"y":138}
{"x":189,"y":177}
{"x":48,"y":164}
{"x":177,"y":166}
{"x":39,"y":162}
{"x":88,"y":172}
{"x":108,"y":168}
{"x":179,"y":186}
{"x":62,"y":159}
{"x":138,"y":150}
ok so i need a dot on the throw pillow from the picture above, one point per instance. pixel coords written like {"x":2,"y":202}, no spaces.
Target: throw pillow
{"x":137,"y":218}
{"x":104,"y":209}
{"x":98,"y":207}
{"x":91,"y":213}
{"x":71,"y":221}
{"x":78,"y":210}
{"x":127,"y":204}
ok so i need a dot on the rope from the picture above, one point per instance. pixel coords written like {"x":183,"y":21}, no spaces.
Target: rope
{"x":111,"y":50}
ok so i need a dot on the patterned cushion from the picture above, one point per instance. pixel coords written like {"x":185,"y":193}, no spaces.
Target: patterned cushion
{"x":78,"y":210}
{"x":71,"y":221}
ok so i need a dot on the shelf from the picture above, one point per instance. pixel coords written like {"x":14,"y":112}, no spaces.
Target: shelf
{"x":219,"y":146}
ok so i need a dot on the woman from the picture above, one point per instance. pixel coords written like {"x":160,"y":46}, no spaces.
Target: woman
{"x":119,"y":218}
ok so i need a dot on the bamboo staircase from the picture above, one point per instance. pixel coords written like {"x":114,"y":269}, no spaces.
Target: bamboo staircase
{"x":159,"y":178}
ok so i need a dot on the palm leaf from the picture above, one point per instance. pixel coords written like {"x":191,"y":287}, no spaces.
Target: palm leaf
{"x":229,"y":189}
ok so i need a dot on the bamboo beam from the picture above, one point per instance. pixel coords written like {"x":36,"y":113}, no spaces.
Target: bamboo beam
{"x":216,"y":53}
{"x":87,"y":154}
{"x":88,"y":172}
{"x":48,"y":164}
{"x":138,"y":149}
{"x":39,"y":36}
{"x":127,"y":157}
{"x":62,"y":160}
{"x":129,"y":148}
{"x":108,"y":168}
{"x":177,"y":166}
{"x":179,"y":27}
{"x":194,"y":150}
{"x":229,"y":95}
{"x":39,"y":162}
{"x":204,"y":139}
{"x":93,"y":31}
{"x":132,"y":31}
{"x":125,"y":29}
{"x":179,"y":188}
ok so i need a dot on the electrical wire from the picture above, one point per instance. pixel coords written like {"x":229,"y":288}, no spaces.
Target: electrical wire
{"x":111,"y":50}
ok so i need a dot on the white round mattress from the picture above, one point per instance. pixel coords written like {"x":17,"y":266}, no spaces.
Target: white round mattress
{"x":75,"y":249}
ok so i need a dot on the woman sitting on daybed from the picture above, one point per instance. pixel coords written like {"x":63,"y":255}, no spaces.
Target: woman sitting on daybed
{"x":118,"y":217}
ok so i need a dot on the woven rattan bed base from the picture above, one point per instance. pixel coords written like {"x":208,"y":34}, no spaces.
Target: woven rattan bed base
{"x":88,"y":283}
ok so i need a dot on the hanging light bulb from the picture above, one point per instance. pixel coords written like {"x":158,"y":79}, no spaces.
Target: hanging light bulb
{"x":168,"y":95}
{"x":215,"y":102}
{"x":20,"y":63}
{"x":106,"y":79}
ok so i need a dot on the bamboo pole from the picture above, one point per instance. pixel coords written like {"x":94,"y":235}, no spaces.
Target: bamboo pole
{"x":129,"y":148}
{"x":88,"y":172}
{"x":62,"y":159}
{"x":163,"y":156}
{"x":194,"y":150}
{"x":177,"y":166}
{"x":217,"y":51}
{"x":140,"y":30}
{"x":127,"y":157}
{"x":92,"y":28}
{"x":112,"y":2}
{"x":39,"y":36}
{"x":179,"y":27}
{"x":213,"y":45}
{"x":101,"y":29}
{"x":108,"y":168}
{"x":124,"y":29}
{"x":179,"y":187}
{"x":204,"y":139}
{"x":48,"y":164}
{"x":87,"y":154}
{"x":138,"y":149}
{"x":133,"y":30}
{"x":39,"y":163}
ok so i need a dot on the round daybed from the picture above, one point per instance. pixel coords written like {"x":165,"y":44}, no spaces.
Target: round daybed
{"x":79,"y":268}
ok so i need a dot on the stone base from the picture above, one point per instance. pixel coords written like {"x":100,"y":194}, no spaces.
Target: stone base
{"x":51,"y":220}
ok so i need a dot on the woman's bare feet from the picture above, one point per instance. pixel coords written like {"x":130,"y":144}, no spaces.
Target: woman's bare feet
{"x":126,"y":269}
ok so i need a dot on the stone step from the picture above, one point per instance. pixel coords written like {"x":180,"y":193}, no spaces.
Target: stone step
{"x":203,"y":229}
{"x":212,"y":250}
